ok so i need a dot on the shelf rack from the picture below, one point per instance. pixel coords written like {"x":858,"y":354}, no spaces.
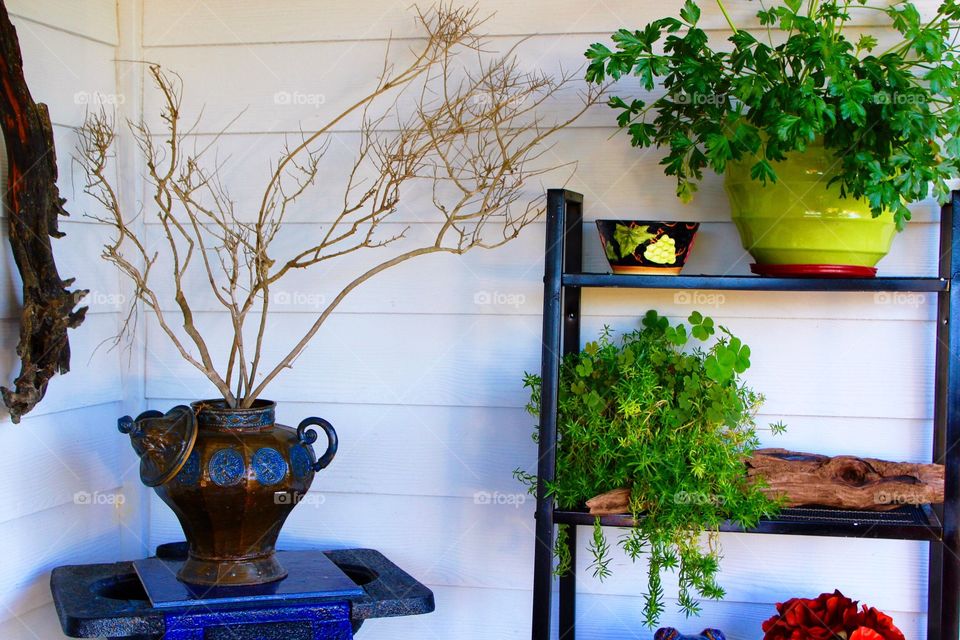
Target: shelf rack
{"x":564,"y":280}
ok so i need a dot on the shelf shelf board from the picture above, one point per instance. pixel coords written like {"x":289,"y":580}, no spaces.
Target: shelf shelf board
{"x":905,"y":523}
{"x":753,"y":283}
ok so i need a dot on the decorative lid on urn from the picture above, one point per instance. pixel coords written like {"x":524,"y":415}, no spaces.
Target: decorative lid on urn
{"x":163,"y":442}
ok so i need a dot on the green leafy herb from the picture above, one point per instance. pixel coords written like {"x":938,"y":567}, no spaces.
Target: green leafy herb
{"x":891,"y":117}
{"x":665,"y":413}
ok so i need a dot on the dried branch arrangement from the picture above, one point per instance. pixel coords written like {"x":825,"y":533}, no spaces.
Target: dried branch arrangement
{"x":474,"y":138}
{"x":35,"y":206}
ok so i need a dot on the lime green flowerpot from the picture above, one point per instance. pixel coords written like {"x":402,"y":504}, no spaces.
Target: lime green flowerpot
{"x":799,"y":220}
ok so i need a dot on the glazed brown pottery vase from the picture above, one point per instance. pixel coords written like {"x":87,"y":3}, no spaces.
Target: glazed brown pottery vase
{"x":232,"y":476}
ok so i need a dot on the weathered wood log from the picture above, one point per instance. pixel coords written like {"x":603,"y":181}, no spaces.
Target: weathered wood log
{"x":808,"y":479}
{"x":34,"y":206}
{"x":846,"y":482}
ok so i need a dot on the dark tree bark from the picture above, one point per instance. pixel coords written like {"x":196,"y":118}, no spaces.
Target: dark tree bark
{"x":33,"y":206}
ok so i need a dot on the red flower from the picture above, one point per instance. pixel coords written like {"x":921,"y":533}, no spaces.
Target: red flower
{"x":879,"y":623}
{"x":827,"y":617}
{"x":820,"y":618}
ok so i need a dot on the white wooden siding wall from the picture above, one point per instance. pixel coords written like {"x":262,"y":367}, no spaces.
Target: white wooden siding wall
{"x":68,"y":444}
{"x":423,"y":380}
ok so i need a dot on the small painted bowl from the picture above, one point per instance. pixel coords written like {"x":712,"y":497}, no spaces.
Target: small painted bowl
{"x":646,"y":247}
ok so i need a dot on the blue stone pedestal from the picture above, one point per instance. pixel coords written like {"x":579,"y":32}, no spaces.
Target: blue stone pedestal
{"x":110,"y":601}
{"x":299,"y":622}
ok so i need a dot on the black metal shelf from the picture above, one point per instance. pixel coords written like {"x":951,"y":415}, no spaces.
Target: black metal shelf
{"x":564,"y":282}
{"x":905,"y":523}
{"x":753,"y":283}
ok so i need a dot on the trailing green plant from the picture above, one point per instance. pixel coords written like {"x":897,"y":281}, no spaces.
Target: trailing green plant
{"x":890,"y":116}
{"x":666,"y":414}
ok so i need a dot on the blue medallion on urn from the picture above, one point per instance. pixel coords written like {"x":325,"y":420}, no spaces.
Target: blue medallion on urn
{"x":300,"y":461}
{"x":227,"y":467}
{"x":269,"y":466}
{"x":190,"y":473}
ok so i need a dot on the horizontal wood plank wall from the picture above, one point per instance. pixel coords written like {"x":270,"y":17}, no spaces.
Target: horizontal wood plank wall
{"x":421,"y":369}
{"x":62,"y":501}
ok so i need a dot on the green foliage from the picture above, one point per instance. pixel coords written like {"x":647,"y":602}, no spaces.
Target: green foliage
{"x":890,"y":117}
{"x":665,"y":413}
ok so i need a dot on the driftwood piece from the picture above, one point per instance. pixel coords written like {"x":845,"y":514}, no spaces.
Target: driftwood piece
{"x":808,"y":479}
{"x":610,"y":503}
{"x":846,"y":482}
{"x":33,"y":205}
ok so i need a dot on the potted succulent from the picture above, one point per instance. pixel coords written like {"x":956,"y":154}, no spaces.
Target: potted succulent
{"x":226,"y":469}
{"x":665,"y":413}
{"x":824,"y":136}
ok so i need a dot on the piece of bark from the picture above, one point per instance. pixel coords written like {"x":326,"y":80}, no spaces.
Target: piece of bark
{"x":33,"y":206}
{"x":610,"y":503}
{"x":846,"y":482}
{"x":809,"y":479}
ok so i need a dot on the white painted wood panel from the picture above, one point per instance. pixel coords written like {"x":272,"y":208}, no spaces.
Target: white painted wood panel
{"x":77,"y":256}
{"x":411,"y":450}
{"x":66,"y":72}
{"x":82,"y":207}
{"x":733,"y":304}
{"x":94,"y":376}
{"x":840,"y":368}
{"x":509,"y":281}
{"x":463,"y":612}
{"x":39,"y":624}
{"x":61,"y":458}
{"x":71,"y":534}
{"x":407,"y":359}
{"x":61,"y":499}
{"x":267,"y":88}
{"x":467,"y":452}
{"x":751,"y":572}
{"x":171,"y":23}
{"x":71,"y":181}
{"x":264,"y":88}
{"x":90,"y":19}
{"x":598,"y":617}
{"x":466,"y":542}
{"x":617,"y":180}
{"x":829,"y":367}
{"x":906,"y":440}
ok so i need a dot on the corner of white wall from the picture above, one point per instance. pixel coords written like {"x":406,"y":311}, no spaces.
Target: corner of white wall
{"x":134,"y":534}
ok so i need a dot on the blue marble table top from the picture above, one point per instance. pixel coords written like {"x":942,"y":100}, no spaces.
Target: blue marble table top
{"x":310,"y":576}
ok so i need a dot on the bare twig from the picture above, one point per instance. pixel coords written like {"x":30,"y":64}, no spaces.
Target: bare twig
{"x":463,"y":122}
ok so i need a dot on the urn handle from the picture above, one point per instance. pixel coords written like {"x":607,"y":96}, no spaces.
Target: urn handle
{"x":132,"y":427}
{"x":162,"y":441}
{"x":309,"y":436}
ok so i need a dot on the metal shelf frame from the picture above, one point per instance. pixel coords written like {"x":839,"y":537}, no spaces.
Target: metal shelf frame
{"x":940,"y":526}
